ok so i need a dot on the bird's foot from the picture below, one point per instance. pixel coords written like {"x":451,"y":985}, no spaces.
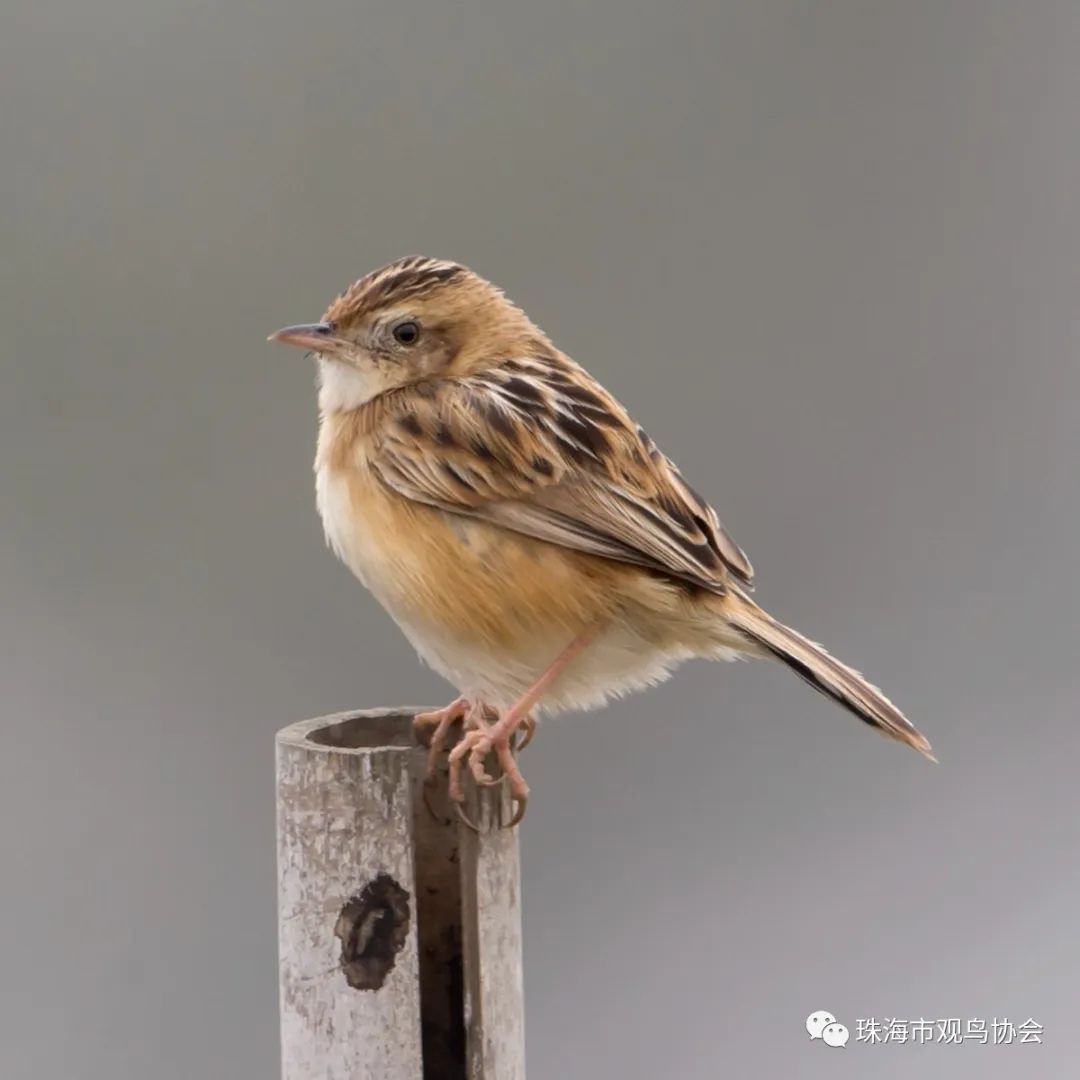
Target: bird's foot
{"x":432,"y":729}
{"x":480,"y":740}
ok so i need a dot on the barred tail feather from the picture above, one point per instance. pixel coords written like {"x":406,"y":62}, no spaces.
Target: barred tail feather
{"x":825,"y":673}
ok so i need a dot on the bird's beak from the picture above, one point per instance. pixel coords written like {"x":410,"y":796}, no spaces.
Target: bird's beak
{"x":317,"y":336}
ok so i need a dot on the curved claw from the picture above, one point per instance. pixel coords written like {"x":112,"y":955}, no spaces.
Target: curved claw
{"x":522,"y":802}
{"x":528,"y":731}
{"x":476,"y":744}
{"x":425,"y":794}
{"x":465,"y":818}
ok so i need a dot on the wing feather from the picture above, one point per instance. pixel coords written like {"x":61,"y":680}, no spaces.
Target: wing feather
{"x":538,"y":446}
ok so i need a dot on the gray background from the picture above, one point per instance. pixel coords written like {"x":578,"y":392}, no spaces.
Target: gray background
{"x":871,"y":207}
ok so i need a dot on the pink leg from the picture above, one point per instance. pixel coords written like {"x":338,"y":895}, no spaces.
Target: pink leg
{"x":478,"y":743}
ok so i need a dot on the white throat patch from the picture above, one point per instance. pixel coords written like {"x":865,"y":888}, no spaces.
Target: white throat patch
{"x":343,"y":387}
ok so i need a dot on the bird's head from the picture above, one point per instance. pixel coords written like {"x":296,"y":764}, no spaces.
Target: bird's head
{"x":410,"y":321}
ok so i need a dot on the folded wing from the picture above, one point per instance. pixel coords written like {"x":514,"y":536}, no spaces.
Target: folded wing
{"x":537,"y":446}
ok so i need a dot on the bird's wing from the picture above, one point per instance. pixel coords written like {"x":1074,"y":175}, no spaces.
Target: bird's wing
{"x":539,"y":447}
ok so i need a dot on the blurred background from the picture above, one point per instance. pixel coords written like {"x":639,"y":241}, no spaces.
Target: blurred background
{"x":828,"y":253}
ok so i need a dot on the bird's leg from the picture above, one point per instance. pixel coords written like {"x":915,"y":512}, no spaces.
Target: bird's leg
{"x":527,"y":727}
{"x":440,"y":721}
{"x":479,"y":742}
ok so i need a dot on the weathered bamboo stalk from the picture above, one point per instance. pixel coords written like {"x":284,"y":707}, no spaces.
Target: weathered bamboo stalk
{"x":399,"y":929}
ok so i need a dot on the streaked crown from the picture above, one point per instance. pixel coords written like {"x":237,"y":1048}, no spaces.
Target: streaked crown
{"x":413,"y":278}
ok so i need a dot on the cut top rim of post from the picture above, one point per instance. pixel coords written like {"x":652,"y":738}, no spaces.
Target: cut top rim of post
{"x":355,"y":731}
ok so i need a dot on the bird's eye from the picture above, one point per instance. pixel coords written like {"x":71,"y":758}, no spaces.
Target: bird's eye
{"x":407,"y":332}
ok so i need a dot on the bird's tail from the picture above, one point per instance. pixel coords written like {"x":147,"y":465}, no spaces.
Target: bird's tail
{"x":823,"y":672}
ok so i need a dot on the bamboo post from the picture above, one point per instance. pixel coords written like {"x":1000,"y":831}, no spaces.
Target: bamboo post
{"x":399,"y":929}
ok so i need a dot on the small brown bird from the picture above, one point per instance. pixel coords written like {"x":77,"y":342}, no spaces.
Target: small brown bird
{"x":524,"y":532}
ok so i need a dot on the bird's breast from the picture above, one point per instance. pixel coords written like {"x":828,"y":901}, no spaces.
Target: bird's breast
{"x":490,"y":608}
{"x":452,"y":575}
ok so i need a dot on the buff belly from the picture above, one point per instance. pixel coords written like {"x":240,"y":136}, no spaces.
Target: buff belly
{"x":489,"y":609}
